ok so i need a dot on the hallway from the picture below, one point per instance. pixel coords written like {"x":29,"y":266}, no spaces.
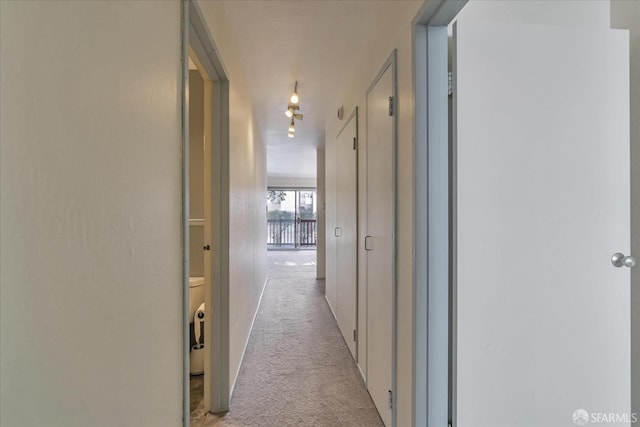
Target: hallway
{"x":297,"y":369}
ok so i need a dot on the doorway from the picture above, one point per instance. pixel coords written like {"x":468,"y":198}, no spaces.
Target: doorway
{"x":211,"y":231}
{"x":496,"y":308}
{"x":199,"y":278}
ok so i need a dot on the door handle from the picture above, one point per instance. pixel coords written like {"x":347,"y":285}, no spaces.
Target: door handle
{"x":207,"y":247}
{"x":619,"y":260}
{"x":366,"y":243}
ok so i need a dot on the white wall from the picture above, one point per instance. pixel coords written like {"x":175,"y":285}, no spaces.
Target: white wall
{"x":291,"y":182}
{"x":626,"y":14}
{"x":580,"y":13}
{"x":395,"y":33}
{"x":90,"y":201}
{"x":196,"y":172}
{"x":247,"y":228}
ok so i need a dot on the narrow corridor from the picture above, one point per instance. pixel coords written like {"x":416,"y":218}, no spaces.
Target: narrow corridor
{"x":297,"y":370}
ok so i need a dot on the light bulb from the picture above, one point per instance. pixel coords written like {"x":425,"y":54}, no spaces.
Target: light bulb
{"x":292,"y":127}
{"x":289,"y":112}
{"x":290,"y":134}
{"x":295,"y":98}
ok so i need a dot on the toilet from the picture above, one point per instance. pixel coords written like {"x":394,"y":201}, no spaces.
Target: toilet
{"x":196,"y":294}
{"x":196,"y":298}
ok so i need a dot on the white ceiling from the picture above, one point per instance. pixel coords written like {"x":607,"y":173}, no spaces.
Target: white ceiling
{"x":315,"y":42}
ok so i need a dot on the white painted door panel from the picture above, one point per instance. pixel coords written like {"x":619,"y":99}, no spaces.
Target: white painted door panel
{"x":331,"y":224}
{"x":346,"y":243}
{"x":543,"y":203}
{"x":380,"y":255}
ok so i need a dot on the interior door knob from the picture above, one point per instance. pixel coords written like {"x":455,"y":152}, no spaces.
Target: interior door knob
{"x":207,"y":247}
{"x":619,"y":260}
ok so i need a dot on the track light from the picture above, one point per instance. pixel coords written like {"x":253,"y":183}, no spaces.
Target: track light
{"x":294,"y":96}
{"x":292,"y":113}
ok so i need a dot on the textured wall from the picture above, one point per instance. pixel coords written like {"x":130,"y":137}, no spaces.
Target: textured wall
{"x":90,"y":277}
{"x":247,"y":164}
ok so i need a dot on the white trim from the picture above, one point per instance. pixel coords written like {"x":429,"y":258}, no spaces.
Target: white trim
{"x":246,"y":343}
{"x":431,"y":352}
{"x":437,"y":228}
{"x":217,"y":331}
{"x":186,"y":331}
{"x":362,"y":374}
{"x":419,"y":348}
{"x":355,"y":116}
{"x":331,"y":308}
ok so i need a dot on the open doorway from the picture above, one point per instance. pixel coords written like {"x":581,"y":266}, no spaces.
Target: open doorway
{"x":497,"y":316}
{"x":197,"y":246}
{"x":206,"y":385}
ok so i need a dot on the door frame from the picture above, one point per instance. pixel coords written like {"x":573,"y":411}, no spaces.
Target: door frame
{"x":197,"y":40}
{"x":433,"y":311}
{"x":359,"y":305}
{"x":434,"y":193}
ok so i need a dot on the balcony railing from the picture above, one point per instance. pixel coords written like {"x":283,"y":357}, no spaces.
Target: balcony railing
{"x":291,"y":233}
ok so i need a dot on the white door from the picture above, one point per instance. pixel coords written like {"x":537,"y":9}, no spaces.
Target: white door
{"x":331,"y":268}
{"x":379,"y":244}
{"x":542,"y":204}
{"x":346,"y":233}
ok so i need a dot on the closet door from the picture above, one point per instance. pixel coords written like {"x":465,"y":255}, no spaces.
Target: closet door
{"x":331,"y":224}
{"x":346,"y":232}
{"x":379,"y":243}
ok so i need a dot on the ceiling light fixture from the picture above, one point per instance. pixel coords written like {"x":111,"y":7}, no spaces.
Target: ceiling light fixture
{"x":294,"y":96}
{"x":293,"y":111}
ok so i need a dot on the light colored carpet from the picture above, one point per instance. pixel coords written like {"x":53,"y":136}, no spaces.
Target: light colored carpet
{"x":297,"y":370}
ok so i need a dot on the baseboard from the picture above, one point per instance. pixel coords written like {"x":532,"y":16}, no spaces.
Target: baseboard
{"x":364,"y":378}
{"x":246,"y":343}
{"x":331,"y":308}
